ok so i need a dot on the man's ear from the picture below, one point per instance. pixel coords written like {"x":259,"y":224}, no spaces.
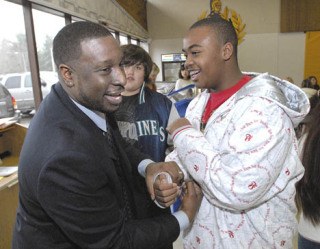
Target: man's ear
{"x":67,"y":75}
{"x":227,"y":51}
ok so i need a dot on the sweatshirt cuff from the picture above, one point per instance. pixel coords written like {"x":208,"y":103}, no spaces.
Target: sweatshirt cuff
{"x":179,"y":130}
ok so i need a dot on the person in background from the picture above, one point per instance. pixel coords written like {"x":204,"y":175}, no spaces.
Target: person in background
{"x":310,"y":82}
{"x":183,"y":81}
{"x":308,"y":189}
{"x":300,"y":129}
{"x":143,"y":114}
{"x":152,"y":77}
{"x":75,"y":172}
{"x":314,"y":82}
{"x":142,"y":118}
{"x":309,"y":86}
{"x":237,"y":141}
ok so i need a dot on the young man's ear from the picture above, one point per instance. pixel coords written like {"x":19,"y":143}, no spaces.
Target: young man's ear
{"x":227,"y":51}
{"x":67,"y":75}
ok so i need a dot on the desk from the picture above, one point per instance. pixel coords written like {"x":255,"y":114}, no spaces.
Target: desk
{"x":11,"y":139}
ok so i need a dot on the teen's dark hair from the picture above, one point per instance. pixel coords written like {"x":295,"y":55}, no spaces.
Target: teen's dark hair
{"x":223,"y":29}
{"x":66,"y":44}
{"x":308,"y":188}
{"x":133,"y":54}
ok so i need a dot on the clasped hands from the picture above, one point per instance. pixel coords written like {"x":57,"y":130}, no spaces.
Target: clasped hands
{"x":166,"y":193}
{"x":160,"y":189}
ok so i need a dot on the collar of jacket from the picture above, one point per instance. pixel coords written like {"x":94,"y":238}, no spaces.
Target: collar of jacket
{"x":142,"y":94}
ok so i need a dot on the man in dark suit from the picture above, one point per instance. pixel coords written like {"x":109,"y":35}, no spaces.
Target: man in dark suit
{"x":75,"y":173}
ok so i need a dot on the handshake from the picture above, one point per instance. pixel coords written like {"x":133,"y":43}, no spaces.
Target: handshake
{"x":165,"y":183}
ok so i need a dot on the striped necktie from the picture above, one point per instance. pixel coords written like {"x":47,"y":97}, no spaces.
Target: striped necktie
{"x":127,"y":208}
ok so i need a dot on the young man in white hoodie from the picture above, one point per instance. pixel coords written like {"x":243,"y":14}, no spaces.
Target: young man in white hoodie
{"x":237,"y":141}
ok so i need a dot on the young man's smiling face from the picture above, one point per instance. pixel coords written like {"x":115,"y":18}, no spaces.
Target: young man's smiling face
{"x":205,"y":61}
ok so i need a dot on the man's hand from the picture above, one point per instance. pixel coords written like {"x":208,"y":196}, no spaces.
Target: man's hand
{"x":191,"y":200}
{"x":170,"y":167}
{"x":180,"y":122}
{"x":165,"y":191}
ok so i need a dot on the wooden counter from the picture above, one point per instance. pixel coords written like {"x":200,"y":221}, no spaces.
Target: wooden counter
{"x":11,"y":139}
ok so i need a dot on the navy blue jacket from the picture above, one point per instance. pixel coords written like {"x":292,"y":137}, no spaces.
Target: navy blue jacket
{"x":143,"y":119}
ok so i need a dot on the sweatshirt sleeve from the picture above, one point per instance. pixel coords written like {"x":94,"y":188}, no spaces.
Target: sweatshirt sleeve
{"x":250,"y":161}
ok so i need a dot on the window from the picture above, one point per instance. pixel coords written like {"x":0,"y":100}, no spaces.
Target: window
{"x":134,"y":41}
{"x":13,"y":44}
{"x":27,"y":80}
{"x":14,"y":50}
{"x":123,"y":39}
{"x":144,"y":45}
{"x":44,"y":37}
{"x":76,"y":19}
{"x":13,"y":82}
{"x":3,"y":92}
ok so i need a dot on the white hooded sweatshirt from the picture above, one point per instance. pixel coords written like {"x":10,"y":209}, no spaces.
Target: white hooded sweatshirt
{"x":246,"y":162}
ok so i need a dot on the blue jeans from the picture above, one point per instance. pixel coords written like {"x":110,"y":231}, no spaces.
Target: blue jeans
{"x":304,"y":243}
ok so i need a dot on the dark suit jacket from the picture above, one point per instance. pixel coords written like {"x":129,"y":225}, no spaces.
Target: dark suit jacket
{"x":70,"y":193}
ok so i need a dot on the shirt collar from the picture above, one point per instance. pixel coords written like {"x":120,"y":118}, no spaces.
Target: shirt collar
{"x":97,"y":117}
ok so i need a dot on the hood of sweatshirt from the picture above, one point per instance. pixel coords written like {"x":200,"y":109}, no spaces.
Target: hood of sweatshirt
{"x":288,"y":96}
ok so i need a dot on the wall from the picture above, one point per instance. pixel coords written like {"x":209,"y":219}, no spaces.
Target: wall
{"x":300,"y":15}
{"x":265,"y":49}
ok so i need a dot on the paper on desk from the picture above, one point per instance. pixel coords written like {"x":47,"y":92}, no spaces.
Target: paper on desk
{"x":5,"y":122}
{"x":8,"y":170}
